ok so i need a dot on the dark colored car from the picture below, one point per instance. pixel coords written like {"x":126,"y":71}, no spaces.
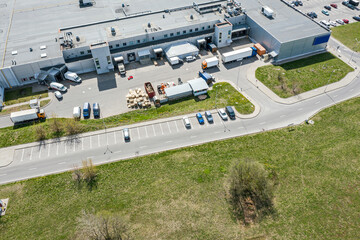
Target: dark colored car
{"x":333,"y":5}
{"x":352,"y":7}
{"x":159,"y":89}
{"x":86,"y":110}
{"x":356,"y":18}
{"x":200,"y":118}
{"x":345,"y":3}
{"x":209,"y":117}
{"x":96,"y":110}
{"x":314,"y":15}
{"x":230,"y":112}
{"x":300,"y":3}
{"x":327,"y":7}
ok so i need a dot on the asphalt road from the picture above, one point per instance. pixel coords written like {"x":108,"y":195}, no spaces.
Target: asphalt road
{"x":162,"y":135}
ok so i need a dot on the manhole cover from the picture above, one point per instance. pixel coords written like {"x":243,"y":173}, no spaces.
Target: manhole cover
{"x":3,"y":5}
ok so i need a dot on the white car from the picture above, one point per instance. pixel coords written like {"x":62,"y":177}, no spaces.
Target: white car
{"x":58,"y":86}
{"x":190,"y":58}
{"x":222,"y":114}
{"x":186,"y":122}
{"x":58,"y":95}
{"x":339,"y":21}
{"x":326,"y":23}
{"x":332,"y":23}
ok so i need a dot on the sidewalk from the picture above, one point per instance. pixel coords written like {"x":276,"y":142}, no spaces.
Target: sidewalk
{"x":303,"y":96}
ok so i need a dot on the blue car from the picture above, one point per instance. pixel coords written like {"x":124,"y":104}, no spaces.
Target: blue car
{"x":200,"y":118}
{"x":325,"y":12}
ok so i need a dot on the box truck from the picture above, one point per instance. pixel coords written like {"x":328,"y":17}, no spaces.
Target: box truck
{"x":27,"y":115}
{"x":210,"y":62}
{"x":175,"y":60}
{"x":238,"y":55}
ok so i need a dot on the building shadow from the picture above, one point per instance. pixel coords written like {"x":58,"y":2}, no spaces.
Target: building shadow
{"x":106,"y":81}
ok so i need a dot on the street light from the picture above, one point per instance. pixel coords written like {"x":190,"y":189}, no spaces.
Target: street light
{"x":329,"y":80}
{"x":353,"y":51}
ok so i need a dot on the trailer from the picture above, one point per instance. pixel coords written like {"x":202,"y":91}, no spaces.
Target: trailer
{"x":260,"y":50}
{"x":174,"y":60}
{"x":212,"y":47}
{"x":354,"y":2}
{"x":27,"y":115}
{"x":238,"y":55}
{"x":149,"y":89}
{"x":207,"y":77}
{"x":210,"y":62}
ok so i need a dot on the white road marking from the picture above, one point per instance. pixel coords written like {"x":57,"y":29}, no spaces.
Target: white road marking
{"x":62,"y":163}
{"x":146,"y":133}
{"x":169,"y":141}
{"x":115,"y":137}
{"x":82,"y":144}
{"x":154,"y":130}
{"x":193,"y":136}
{"x":169,"y":126}
{"x":49,"y":146}
{"x":240,"y":127}
{"x":40,"y":152}
{"x":262,"y":123}
{"x":32,"y":169}
{"x":282,"y":116}
{"x":118,"y":151}
{"x":162,"y":132}
{"x":138,"y":132}
{"x":90,"y":143}
{"x":177,"y":129}
{"x":218,"y":132}
{"x":74,"y":146}
{"x":351,"y":90}
{"x":2,"y":174}
{"x":57,"y":148}
{"x":300,"y":109}
{"x":335,"y":96}
{"x":31,"y":153}
{"x":142,"y":146}
{"x":22,"y":155}
{"x":65,"y":147}
{"x":98,"y":140}
{"x":317,"y":102}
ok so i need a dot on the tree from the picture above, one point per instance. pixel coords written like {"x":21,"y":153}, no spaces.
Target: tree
{"x":40,"y":133}
{"x":250,"y":191}
{"x":102,"y":226}
{"x":55,"y":126}
{"x":72,"y":127}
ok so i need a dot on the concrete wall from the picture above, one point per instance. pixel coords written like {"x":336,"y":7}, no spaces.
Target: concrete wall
{"x":222,"y":36}
{"x":103,"y":56}
{"x":82,"y":66}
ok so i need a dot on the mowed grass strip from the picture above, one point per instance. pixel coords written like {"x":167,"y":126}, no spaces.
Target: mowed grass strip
{"x":180,"y":194}
{"x":349,"y":35}
{"x":303,"y":75}
{"x":223,"y":94}
{"x":22,"y":95}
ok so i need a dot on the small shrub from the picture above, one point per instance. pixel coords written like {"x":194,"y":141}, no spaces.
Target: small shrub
{"x":40,"y":133}
{"x":250,"y":191}
{"x":89,"y":172}
{"x":77,"y":176}
{"x":55,"y":126}
{"x":72,"y":127}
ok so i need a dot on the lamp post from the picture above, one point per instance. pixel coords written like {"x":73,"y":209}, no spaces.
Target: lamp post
{"x":329,"y":80}
{"x":357,"y":42}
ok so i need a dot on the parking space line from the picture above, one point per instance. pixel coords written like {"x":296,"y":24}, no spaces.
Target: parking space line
{"x":282,"y":116}
{"x":161,"y":129}
{"x":30,"y":169}
{"x":142,"y":146}
{"x":262,"y":123}
{"x":300,"y":109}
{"x":90,"y":143}
{"x":115,"y":137}
{"x":240,"y":127}
{"x":154,"y":130}
{"x":138,"y":132}
{"x":49,"y":149}
{"x":351,"y":90}
{"x":40,"y":152}
{"x":74,"y":146}
{"x":22,"y":155}
{"x":31,"y":153}
{"x":2,"y":174}
{"x":98,"y":140}
{"x":335,"y":96}
{"x":317,"y":102}
{"x":169,"y":141}
{"x":82,"y":143}
{"x":57,"y":148}
{"x":65,"y":147}
{"x":193,"y":136}
{"x":62,"y":163}
{"x":146,"y":133}
{"x":169,"y":126}
{"x":177,"y":129}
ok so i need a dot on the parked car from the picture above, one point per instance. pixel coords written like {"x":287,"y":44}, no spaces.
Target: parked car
{"x":77,"y":112}
{"x":326,"y":23}
{"x":300,"y":3}
{"x":126,"y":134}
{"x":345,"y":3}
{"x":356,"y":18}
{"x":314,"y":15}
{"x":222,"y":114}
{"x":230,"y":111}
{"x":96,"y":110}
{"x":339,"y":21}
{"x":346,"y":20}
{"x":333,"y":5}
{"x":327,"y":7}
{"x":58,"y":95}
{"x":86,"y":110}
{"x":325,"y":12}
{"x":200,"y":118}
{"x":209,"y":117}
{"x":352,"y":7}
{"x":186,"y":122}
{"x":190,"y":58}
{"x":332,"y":23}
{"x":58,"y":86}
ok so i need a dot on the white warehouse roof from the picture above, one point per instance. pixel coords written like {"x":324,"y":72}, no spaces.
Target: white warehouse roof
{"x":181,"y":49}
{"x":198,"y":84}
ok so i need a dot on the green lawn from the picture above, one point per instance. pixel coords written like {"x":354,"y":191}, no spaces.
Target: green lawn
{"x":179,"y":194}
{"x":303,"y":75}
{"x":347,"y":34}
{"x":226,"y":95}
{"x":22,"y":95}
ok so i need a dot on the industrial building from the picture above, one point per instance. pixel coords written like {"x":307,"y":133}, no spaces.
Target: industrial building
{"x":43,"y":39}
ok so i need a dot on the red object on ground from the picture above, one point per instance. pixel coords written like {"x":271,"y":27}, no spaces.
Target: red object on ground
{"x":345,"y":20}
{"x":130,"y":77}
{"x":333,"y":5}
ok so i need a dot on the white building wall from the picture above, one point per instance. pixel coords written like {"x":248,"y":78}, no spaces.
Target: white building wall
{"x":223,"y":35}
{"x":102,"y":58}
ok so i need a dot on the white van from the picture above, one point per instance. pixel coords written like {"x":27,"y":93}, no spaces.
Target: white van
{"x":72,"y":77}
{"x":186,"y":122}
{"x":58,"y":86}
{"x":77,"y":112}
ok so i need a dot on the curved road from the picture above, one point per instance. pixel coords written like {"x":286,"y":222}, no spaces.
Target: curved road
{"x":170,"y":133}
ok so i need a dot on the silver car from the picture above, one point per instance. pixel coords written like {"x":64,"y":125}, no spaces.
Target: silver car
{"x":223,"y":114}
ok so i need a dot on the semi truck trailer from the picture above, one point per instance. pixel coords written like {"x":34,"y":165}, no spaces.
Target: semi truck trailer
{"x":27,"y":115}
{"x":238,"y":55}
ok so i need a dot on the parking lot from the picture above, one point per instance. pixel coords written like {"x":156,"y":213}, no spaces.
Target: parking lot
{"x":340,"y":13}
{"x":77,"y":144}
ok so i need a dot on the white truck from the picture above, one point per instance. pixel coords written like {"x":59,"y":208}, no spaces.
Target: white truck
{"x":27,"y":115}
{"x":175,"y":60}
{"x":120,"y":65}
{"x":72,"y":77}
{"x":238,"y":55}
{"x":210,"y":62}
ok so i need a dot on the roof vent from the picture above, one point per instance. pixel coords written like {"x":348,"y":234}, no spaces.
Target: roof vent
{"x":43,"y":55}
{"x":77,"y":38}
{"x":113,"y":32}
{"x":149,"y":25}
{"x":14,"y":53}
{"x":191,"y":16}
{"x":30,"y":49}
{"x":42,"y":47}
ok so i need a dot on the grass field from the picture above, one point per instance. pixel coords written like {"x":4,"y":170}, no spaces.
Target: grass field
{"x":179,"y":194}
{"x":347,"y":34}
{"x":303,"y":75}
{"x":22,"y":95}
{"x":226,"y":95}
{"x":21,"y":107}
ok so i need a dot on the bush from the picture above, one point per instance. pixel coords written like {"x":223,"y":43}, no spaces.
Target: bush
{"x":55,"y":126}
{"x":40,"y":133}
{"x":72,"y":127}
{"x":250,"y":191}
{"x":102,"y":227}
{"x":89,"y":172}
